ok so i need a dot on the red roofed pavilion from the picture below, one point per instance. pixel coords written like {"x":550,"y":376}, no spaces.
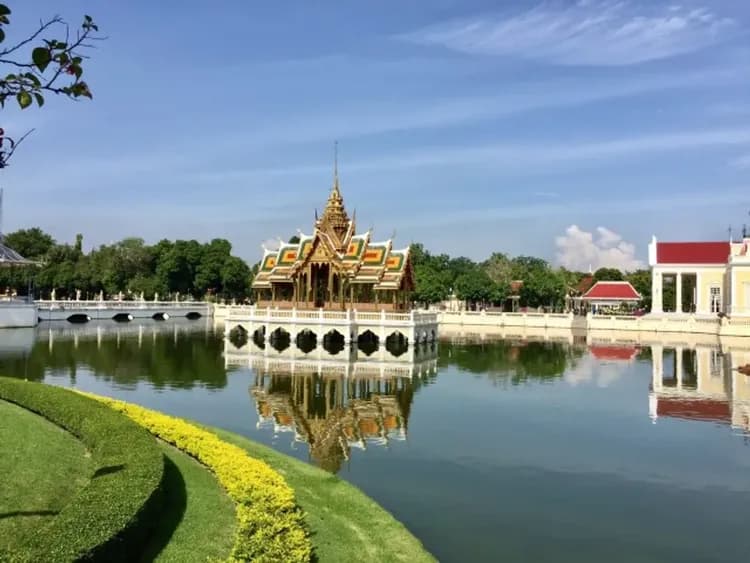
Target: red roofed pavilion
{"x":610,"y":294}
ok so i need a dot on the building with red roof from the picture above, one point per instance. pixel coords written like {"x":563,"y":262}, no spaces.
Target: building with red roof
{"x":705,"y":278}
{"x":610,"y":294}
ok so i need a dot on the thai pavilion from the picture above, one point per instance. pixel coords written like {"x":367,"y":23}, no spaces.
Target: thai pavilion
{"x":335,"y":268}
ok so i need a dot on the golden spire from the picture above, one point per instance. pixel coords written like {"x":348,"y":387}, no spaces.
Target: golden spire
{"x":335,"y":218}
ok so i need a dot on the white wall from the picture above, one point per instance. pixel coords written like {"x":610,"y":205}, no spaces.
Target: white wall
{"x":18,"y":315}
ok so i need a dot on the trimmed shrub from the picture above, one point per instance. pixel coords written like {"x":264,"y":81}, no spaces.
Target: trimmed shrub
{"x":270,"y":525}
{"x":114,"y":511}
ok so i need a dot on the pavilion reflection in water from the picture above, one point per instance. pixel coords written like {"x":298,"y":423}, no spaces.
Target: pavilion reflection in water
{"x":334,"y":402}
{"x":701,"y":383}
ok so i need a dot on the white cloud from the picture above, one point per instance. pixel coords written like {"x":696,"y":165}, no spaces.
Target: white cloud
{"x":584,"y":33}
{"x":589,"y":369}
{"x":578,"y":250}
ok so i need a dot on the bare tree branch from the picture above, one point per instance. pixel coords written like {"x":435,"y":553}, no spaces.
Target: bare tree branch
{"x":5,"y":156}
{"x":42,"y":27}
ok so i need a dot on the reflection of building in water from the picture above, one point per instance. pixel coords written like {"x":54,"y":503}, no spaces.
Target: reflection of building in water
{"x":700,"y":384}
{"x":336,"y":404}
{"x":613,"y":353}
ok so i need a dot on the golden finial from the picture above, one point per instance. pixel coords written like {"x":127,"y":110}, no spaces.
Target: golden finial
{"x":336,"y":166}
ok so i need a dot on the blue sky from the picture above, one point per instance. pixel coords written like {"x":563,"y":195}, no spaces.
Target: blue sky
{"x":568,"y":130}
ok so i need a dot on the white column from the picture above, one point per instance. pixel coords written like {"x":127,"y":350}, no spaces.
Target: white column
{"x":656,"y":297}
{"x":678,"y":366}
{"x":678,"y":282}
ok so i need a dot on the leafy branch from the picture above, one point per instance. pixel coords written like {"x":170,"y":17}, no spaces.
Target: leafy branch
{"x":53,"y":66}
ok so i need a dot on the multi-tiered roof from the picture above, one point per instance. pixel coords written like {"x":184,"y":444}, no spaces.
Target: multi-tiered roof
{"x":333,"y":241}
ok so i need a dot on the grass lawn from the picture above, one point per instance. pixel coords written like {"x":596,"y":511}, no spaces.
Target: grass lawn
{"x":41,"y":468}
{"x":346,"y":524}
{"x":197,"y":523}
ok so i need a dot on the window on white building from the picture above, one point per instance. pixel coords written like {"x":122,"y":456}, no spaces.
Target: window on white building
{"x":715,"y":299}
{"x":716,"y":360}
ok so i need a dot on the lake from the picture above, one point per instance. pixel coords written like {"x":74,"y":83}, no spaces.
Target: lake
{"x":487,"y":449}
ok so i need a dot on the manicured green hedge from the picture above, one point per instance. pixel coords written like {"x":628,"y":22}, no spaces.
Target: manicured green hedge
{"x":112,"y":515}
{"x":270,"y":524}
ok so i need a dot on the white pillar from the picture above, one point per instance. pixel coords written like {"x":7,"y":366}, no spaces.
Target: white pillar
{"x":678,"y":366}
{"x":656,"y":286}
{"x":678,"y":282}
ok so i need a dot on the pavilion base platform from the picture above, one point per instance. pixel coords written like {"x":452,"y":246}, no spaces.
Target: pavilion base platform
{"x":350,"y":325}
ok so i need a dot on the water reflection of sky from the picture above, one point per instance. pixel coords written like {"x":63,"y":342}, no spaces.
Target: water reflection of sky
{"x":513,"y":450}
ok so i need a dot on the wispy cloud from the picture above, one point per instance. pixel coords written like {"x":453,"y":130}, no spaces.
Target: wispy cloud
{"x":507,"y":155}
{"x":580,"y":250}
{"x":696,"y":199}
{"x":585,"y":33}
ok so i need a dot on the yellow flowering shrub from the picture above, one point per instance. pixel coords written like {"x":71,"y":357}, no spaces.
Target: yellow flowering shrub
{"x":270,"y":525}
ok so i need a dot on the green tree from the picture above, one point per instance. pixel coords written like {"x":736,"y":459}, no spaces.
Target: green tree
{"x":235,"y":277}
{"x":38,"y":65}
{"x":641,"y":281}
{"x":608,"y":274}
{"x":31,"y":243}
{"x":475,"y":287}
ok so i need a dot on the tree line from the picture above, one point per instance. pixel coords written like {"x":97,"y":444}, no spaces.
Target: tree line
{"x":129,"y":267}
{"x":191,"y":268}
{"x":491,"y":282}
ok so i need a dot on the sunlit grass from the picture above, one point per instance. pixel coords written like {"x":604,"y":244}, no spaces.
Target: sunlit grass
{"x":41,"y":468}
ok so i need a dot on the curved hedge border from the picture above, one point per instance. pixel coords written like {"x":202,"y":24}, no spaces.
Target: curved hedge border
{"x":116,"y":508}
{"x":270,"y":525}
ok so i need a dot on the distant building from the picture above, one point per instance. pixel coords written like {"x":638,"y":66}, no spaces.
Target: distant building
{"x":717,"y":275}
{"x":610,"y":294}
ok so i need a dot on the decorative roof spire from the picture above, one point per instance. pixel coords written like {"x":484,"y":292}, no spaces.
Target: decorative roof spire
{"x":335,"y":219}
{"x":336,"y":166}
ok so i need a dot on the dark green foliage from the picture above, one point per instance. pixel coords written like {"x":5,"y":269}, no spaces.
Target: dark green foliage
{"x":608,"y":274}
{"x":487,"y":283}
{"x":641,"y":281}
{"x":120,"y":503}
{"x":130,"y":266}
{"x":30,"y":243}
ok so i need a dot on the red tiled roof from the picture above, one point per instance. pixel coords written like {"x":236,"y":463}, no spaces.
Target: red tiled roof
{"x":704,"y":409}
{"x":615,"y":290}
{"x":585,"y":284}
{"x":692,"y":252}
{"x":613,"y":352}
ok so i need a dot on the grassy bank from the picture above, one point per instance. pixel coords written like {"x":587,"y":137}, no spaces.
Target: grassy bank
{"x":253,"y":504}
{"x":346,"y":524}
{"x":197,"y":522}
{"x":42,"y":467}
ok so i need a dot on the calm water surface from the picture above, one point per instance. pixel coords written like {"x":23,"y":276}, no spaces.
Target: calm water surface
{"x":488,"y":451}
